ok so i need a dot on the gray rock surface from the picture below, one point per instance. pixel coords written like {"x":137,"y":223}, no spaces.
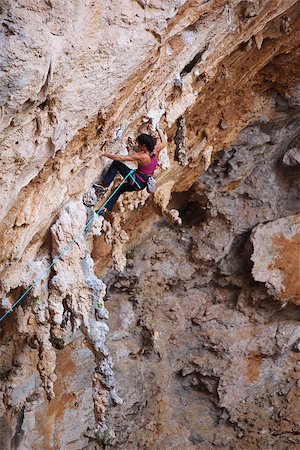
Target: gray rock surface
{"x":292,"y":157}
{"x":212,"y":353}
{"x":276,"y":258}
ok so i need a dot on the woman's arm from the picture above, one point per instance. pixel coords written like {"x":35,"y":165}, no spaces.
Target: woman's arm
{"x":133,"y":158}
{"x":163,"y":143}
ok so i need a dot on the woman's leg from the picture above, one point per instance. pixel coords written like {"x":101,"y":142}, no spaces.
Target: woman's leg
{"x":126,"y":187}
{"x":114,"y":168}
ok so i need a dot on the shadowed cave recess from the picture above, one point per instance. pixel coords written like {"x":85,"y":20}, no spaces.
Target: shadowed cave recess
{"x":172,"y":323}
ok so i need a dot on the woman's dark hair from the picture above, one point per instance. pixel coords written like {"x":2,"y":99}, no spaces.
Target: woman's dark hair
{"x":147,"y":141}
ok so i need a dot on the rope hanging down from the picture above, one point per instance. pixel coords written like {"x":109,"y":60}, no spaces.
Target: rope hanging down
{"x":65,"y":249}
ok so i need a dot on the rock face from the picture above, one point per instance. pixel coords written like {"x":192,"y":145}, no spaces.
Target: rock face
{"x":276,"y":257}
{"x":198,"y":345}
{"x":213,"y":352}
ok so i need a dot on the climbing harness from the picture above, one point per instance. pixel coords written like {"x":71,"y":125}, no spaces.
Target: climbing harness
{"x":133,"y":182}
{"x":149,"y":180}
{"x":67,"y":246}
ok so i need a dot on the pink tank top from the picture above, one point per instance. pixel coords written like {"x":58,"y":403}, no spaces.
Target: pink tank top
{"x":149,"y":168}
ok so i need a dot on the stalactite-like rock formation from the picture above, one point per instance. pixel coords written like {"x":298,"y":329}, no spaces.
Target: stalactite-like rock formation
{"x":198,"y":343}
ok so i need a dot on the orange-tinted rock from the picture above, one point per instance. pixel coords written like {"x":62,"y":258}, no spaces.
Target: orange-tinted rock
{"x":276,"y":257}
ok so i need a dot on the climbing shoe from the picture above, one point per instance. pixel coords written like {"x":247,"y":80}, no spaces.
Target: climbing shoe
{"x":100,"y":190}
{"x":101,"y":211}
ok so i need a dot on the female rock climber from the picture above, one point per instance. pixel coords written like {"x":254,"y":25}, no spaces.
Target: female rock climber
{"x":146,"y":156}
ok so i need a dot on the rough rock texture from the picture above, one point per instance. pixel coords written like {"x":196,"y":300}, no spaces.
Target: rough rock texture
{"x":202,"y":342}
{"x":276,"y":257}
{"x":213,"y":354}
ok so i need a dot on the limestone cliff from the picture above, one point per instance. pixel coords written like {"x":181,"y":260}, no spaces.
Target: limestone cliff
{"x":174,"y":323}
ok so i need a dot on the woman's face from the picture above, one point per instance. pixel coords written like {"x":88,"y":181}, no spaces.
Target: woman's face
{"x":140,"y":148}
